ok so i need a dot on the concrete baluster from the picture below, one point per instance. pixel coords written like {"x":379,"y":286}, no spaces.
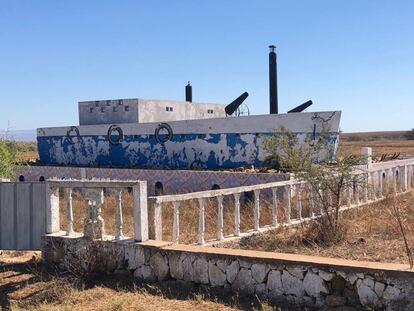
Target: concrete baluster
{"x":311,"y":202}
{"x":288,"y":193}
{"x":236,"y":214}
{"x":380,"y":186}
{"x":52,"y":209}
{"x":355,"y":193}
{"x":158,"y":221}
{"x":139,"y":192}
{"x":365,"y":187}
{"x":119,"y":234}
{"x":176,"y":221}
{"x":201,"y":224}
{"x":274,"y":207}
{"x":69,"y":212}
{"x":373,"y":194}
{"x":256,"y":210}
{"x":220,"y":222}
{"x":299,"y":200}
{"x":394,"y":180}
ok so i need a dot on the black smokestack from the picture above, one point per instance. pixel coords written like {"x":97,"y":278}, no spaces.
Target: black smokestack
{"x":189,"y":93}
{"x":273,"y":81}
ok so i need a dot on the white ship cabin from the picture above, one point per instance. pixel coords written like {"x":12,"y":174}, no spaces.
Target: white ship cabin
{"x":118,"y":111}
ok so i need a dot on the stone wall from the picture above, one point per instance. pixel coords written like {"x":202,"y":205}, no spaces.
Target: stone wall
{"x":281,"y":278}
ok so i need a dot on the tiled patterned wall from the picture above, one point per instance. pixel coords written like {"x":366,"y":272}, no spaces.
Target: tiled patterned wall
{"x":174,"y":181}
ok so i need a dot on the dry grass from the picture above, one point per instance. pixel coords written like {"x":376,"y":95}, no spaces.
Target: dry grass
{"x":372,"y":235}
{"x":379,"y":147}
{"x":25,"y":285}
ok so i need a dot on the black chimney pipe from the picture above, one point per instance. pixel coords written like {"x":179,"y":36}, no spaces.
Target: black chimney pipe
{"x":189,"y":93}
{"x":273,"y":81}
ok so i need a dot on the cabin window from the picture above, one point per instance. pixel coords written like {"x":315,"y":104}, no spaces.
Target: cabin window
{"x":102,"y":109}
{"x":168,"y":108}
{"x":91,"y":109}
{"x":126,"y":108}
{"x":210,"y":111}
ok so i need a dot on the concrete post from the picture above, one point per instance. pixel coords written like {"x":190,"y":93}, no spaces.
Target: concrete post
{"x":256,"y":210}
{"x":52,"y":209}
{"x":140,"y":211}
{"x":366,"y":152}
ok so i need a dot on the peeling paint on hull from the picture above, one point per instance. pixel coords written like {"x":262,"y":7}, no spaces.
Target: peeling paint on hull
{"x":194,"y":151}
{"x":209,"y":143}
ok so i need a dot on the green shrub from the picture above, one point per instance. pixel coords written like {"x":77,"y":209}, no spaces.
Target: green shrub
{"x":8,"y":158}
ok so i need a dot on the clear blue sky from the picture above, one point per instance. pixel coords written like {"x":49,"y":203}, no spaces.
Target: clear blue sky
{"x":356,"y":56}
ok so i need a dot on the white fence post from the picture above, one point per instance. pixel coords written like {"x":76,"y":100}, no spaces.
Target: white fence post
{"x":69,"y":212}
{"x":274,"y":207}
{"x":256,"y":210}
{"x":118,"y":215}
{"x":372,"y":186}
{"x":176,"y":221}
{"x":299,"y":200}
{"x":236,"y":214}
{"x":288,"y":193}
{"x":365,"y":185}
{"x":220,"y":223}
{"x":311,"y":202}
{"x":52,"y":209}
{"x":380,"y":185}
{"x":201,"y":225}
{"x":140,"y":211}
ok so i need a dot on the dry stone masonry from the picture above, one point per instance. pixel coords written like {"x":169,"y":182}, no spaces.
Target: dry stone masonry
{"x":281,"y":278}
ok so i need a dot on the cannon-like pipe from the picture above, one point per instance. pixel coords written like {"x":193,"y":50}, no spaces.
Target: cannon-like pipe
{"x":302,"y":107}
{"x":232,"y":107}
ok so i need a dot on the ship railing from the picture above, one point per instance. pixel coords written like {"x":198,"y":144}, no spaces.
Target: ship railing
{"x":94,"y":193}
{"x":371,"y":183}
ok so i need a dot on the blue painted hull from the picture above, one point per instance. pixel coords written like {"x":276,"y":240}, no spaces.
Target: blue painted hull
{"x":208,"y":151}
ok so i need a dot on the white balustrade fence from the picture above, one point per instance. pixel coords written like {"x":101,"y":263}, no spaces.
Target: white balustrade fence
{"x":292,"y":202}
{"x":93,"y":192}
{"x":373,"y":183}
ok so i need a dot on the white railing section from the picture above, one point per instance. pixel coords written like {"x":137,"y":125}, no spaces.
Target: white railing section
{"x":379,"y":180}
{"x":93,"y":191}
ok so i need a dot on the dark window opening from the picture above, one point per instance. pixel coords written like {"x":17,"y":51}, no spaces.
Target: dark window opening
{"x":21,"y":178}
{"x":42,"y":178}
{"x":159,"y":188}
{"x":215,"y":187}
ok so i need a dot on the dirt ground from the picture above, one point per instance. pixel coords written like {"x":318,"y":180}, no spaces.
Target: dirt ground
{"x":372,"y":234}
{"x":27,"y":285}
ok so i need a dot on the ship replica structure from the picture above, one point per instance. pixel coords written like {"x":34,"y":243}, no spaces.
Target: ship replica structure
{"x":139,"y":133}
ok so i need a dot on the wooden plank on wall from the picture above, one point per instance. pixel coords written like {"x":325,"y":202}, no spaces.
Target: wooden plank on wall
{"x":38,"y":214}
{"x":23,"y":214}
{"x":7,"y":206}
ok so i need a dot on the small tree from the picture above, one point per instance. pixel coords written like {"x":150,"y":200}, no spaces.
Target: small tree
{"x":8,"y":158}
{"x":328,"y":178}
